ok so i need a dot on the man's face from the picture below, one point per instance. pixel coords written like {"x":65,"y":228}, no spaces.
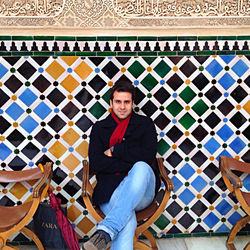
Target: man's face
{"x":122,"y":104}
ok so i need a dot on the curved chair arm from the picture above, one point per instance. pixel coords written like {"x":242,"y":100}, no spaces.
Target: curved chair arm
{"x":164,"y":177}
{"x":232,"y":181}
{"x":47,"y":175}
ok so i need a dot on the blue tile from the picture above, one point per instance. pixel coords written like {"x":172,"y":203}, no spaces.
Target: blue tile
{"x":4,"y":151}
{"x":42,"y":110}
{"x":3,"y":70}
{"x":177,"y":183}
{"x":211,"y":220}
{"x":225,"y":133}
{"x":214,"y":68}
{"x":226,"y":81}
{"x":222,"y":228}
{"x":237,"y":145}
{"x":212,"y":145}
{"x":186,"y":196}
{"x":29,"y":124}
{"x":28,"y":97}
{"x":187,"y":171}
{"x":234,"y":218}
{"x":246,"y":182}
{"x":227,"y":59}
{"x":223,"y":207}
{"x":240,"y":68}
{"x":223,"y":153}
{"x":199,"y":183}
{"x":14,"y":111}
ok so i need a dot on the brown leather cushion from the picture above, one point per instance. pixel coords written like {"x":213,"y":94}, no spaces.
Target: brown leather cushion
{"x":10,"y":216}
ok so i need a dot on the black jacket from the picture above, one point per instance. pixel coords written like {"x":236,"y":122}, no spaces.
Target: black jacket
{"x":139,"y":144}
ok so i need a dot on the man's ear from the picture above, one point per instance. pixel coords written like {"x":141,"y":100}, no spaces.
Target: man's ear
{"x":111,"y":103}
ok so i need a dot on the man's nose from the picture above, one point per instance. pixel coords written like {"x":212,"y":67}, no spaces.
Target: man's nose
{"x":122,"y":105}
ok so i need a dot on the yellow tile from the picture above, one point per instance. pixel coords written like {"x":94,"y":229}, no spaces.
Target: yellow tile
{"x":70,"y":136}
{"x":70,"y":83}
{"x":247,"y":107}
{"x":69,"y":59}
{"x":83,"y":148}
{"x":55,"y":69}
{"x":73,"y":213}
{"x":85,"y":225}
{"x":18,"y":190}
{"x":57,"y":149}
{"x":83,"y":70}
{"x":71,"y":162}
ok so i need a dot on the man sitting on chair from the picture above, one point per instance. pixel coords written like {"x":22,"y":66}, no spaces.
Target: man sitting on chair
{"x":122,"y":149}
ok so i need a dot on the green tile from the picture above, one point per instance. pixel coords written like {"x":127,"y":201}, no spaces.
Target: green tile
{"x":147,"y":38}
{"x":5,"y":38}
{"x":167,"y":53}
{"x":5,"y":53}
{"x":106,"y":96}
{"x":149,"y":60}
{"x":86,"y":38}
{"x":106,"y":53}
{"x":200,"y":107}
{"x":243,"y":52}
{"x":162,"y":147}
{"x":126,"y":54}
{"x":65,"y":38}
{"x":87,"y":53}
{"x":206,"y":53}
{"x":243,"y":37}
{"x":162,"y":68}
{"x":127,"y":38}
{"x":167,"y":38}
{"x":226,"y":52}
{"x":168,"y":236}
{"x":227,"y":38}
{"x":43,"y":53}
{"x":106,"y":38}
{"x":187,"y":38}
{"x":182,"y":235}
{"x":162,"y":222}
{"x":186,"y":53}
{"x":149,"y":82}
{"x":187,"y":94}
{"x":187,"y":121}
{"x":44,"y":38}
{"x":219,"y":234}
{"x":22,"y":38}
{"x":142,"y":53}
{"x":201,"y":234}
{"x":174,"y":108}
{"x":97,"y":110}
{"x":65,"y":53}
{"x":207,"y":38}
{"x":22,"y":53}
{"x":136,"y":69}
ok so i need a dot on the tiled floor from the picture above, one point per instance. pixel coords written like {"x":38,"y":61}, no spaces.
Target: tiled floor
{"x":193,"y":243}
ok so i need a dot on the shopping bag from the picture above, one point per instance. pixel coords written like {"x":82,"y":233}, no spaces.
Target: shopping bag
{"x":46,"y":227}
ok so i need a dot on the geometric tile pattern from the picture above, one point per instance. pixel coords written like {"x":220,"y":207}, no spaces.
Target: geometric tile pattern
{"x":200,"y":106}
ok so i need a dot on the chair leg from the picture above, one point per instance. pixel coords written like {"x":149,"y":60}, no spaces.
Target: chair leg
{"x":247,"y":247}
{"x":28,"y":232}
{"x":236,"y":228}
{"x":151,"y":239}
{"x":141,"y":245}
{"x":10,"y":247}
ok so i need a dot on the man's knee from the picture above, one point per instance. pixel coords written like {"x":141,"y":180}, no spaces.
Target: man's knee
{"x":141,"y":168}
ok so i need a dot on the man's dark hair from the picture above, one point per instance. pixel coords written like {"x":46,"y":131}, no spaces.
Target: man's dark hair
{"x":122,"y":86}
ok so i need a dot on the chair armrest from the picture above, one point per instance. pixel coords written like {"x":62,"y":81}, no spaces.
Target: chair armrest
{"x":164,"y":177}
{"x":45,"y":180}
{"x":234,"y":180}
{"x":85,"y":179}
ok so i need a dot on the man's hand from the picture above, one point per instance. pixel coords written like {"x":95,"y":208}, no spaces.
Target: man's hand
{"x":108,"y":152}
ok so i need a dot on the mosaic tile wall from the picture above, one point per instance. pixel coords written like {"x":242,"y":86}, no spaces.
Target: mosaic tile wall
{"x":199,"y":103}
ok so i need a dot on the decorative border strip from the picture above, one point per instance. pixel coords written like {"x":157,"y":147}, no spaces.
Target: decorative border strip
{"x":124,"y":45}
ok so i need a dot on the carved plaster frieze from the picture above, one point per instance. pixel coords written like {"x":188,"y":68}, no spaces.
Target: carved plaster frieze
{"x":124,"y":14}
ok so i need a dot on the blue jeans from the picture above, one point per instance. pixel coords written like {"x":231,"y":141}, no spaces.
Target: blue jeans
{"x":134,"y":193}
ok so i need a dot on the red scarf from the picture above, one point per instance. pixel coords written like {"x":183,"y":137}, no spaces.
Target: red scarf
{"x":119,"y":131}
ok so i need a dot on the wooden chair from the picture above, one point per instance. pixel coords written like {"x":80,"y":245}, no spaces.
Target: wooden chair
{"x":148,"y":215}
{"x":234,"y":184}
{"x":14,"y":219}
